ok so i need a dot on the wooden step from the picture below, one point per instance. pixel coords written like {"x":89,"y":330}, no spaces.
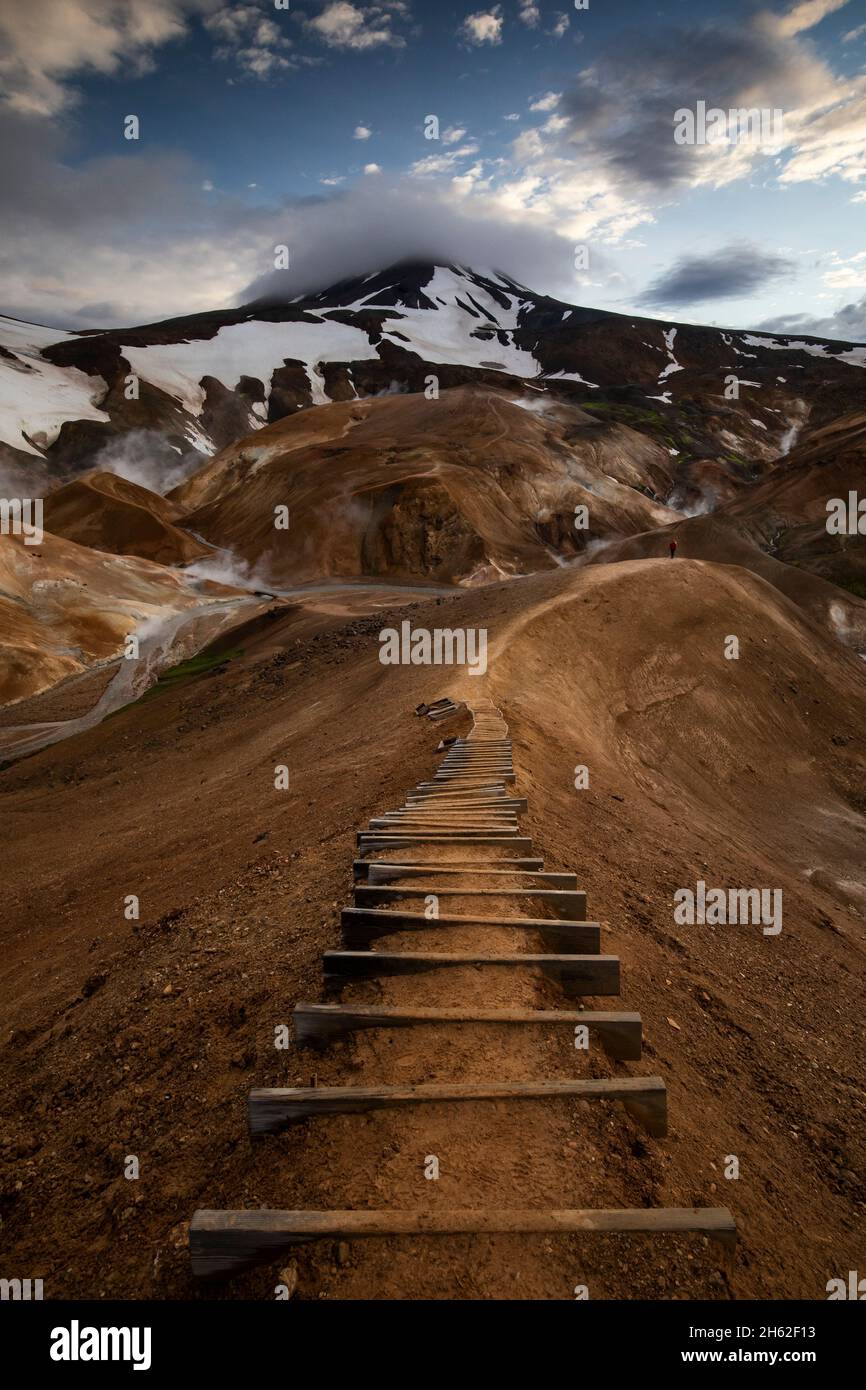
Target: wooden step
{"x":362,"y":925}
{"x":362,"y":867}
{"x":448,"y":815}
{"x":487,"y":755}
{"x":474,"y":769}
{"x":459,"y":802}
{"x":579,"y":974}
{"x":481,"y":784}
{"x":467,"y":779}
{"x":494,"y":772}
{"x":430,"y":806}
{"x":460,"y":820}
{"x":477,"y":755}
{"x":222,"y":1243}
{"x":383,"y":839}
{"x":618,"y":1033}
{"x":450,"y":811}
{"x":568,"y":905}
{"x":494,"y":826}
{"x":274,"y":1108}
{"x":482,"y":789}
{"x":493,"y":791}
{"x":386,"y":873}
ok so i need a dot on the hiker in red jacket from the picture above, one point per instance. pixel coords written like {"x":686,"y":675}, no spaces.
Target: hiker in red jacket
{"x":673,"y":546}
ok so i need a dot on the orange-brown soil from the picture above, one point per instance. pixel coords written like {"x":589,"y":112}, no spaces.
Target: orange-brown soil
{"x":111,"y":513}
{"x":144,"y":1037}
{"x":468,"y":487}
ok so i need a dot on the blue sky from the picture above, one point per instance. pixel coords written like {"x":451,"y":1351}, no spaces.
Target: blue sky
{"x":306,"y":126}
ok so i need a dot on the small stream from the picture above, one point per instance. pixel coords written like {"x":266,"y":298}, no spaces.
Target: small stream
{"x":163,"y":645}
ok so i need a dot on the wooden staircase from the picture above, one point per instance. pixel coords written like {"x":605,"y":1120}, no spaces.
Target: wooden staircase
{"x":468,"y":804}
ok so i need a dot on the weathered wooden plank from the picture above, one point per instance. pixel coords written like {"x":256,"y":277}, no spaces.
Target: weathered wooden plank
{"x":483,"y":787}
{"x":383,"y":839}
{"x":477,"y":784}
{"x":427,"y":805}
{"x":477,"y":765}
{"x":568,"y":905}
{"x":448,"y":816}
{"x":386,"y":873}
{"x":274,"y":1108}
{"x":222,"y":1243}
{"x":618,"y":1033}
{"x":460,"y":800}
{"x":451,"y":815}
{"x":579,"y":974}
{"x":362,"y":925}
{"x":362,"y":867}
{"x":464,"y":779}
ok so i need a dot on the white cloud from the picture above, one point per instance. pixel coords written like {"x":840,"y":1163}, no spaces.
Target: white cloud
{"x":45,"y":43}
{"x":380,"y":221}
{"x":530,"y":13}
{"x":847,"y":272}
{"x":512,"y":116}
{"x":452,"y":135}
{"x":343,"y":25}
{"x":372,"y":169}
{"x":549,"y":102}
{"x":245,"y":36}
{"x":432,"y":164}
{"x":806,"y":15}
{"x":362,"y":132}
{"x":853,"y":34}
{"x":443,"y":163}
{"x":560,"y":26}
{"x":828,"y":135}
{"x":484,"y":26}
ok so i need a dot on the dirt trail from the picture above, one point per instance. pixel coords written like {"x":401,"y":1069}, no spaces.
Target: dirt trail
{"x":507,"y":1154}
{"x":146,"y":1037}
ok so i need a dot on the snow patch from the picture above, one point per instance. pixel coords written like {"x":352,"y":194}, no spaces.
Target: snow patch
{"x":254,"y":349}
{"x":855,"y":357}
{"x":35,"y":396}
{"x":673,"y":365}
{"x":571,"y":376}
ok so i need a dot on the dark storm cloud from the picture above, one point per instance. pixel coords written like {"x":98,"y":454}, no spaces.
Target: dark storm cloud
{"x":847,"y":325}
{"x":724,"y":274}
{"x":621,"y":110}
